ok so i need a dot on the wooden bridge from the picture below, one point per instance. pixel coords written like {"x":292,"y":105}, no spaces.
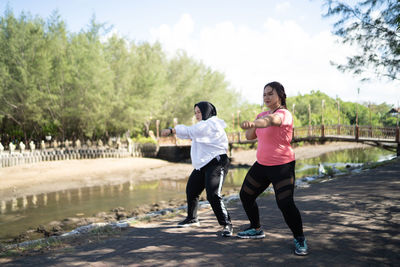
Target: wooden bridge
{"x":385,"y":137}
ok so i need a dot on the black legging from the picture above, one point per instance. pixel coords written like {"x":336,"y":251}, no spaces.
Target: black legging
{"x":211,"y":177}
{"x":282,"y":177}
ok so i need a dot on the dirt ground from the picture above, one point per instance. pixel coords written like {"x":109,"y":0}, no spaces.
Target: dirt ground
{"x":51,"y":176}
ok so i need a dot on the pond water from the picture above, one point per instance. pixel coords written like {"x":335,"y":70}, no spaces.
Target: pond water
{"x":29,"y":212}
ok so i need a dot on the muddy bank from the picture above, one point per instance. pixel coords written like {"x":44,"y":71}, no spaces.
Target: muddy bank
{"x":58,"y":228}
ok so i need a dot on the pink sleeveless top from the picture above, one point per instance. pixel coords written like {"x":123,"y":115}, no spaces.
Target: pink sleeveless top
{"x":274,"y":142}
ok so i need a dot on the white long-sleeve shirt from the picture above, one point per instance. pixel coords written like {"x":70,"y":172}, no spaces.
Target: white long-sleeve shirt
{"x":208,"y":140}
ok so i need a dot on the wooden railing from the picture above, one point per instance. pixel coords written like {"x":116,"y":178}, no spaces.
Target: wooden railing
{"x":348,"y":133}
{"x":315,"y":133}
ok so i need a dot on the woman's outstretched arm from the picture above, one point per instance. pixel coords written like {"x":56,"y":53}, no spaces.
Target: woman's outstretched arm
{"x":263,"y":122}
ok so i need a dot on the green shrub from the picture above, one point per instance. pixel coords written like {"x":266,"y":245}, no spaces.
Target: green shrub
{"x":143,"y":140}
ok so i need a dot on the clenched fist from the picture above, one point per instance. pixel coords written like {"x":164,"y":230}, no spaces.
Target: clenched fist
{"x":166,"y":132}
{"x":247,"y":125}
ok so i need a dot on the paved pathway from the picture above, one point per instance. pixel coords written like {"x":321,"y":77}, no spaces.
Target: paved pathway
{"x":349,"y":221}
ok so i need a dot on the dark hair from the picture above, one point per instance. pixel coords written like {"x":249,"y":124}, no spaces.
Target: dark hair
{"x":207,"y":110}
{"x":280,"y":90}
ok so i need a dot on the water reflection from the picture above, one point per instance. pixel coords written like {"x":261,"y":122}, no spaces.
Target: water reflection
{"x":340,"y":161}
{"x":3,"y":206}
{"x":43,"y":208}
{"x":82,"y":195}
{"x":24,"y":202}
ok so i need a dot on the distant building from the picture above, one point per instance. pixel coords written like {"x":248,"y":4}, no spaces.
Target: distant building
{"x":394,"y":112}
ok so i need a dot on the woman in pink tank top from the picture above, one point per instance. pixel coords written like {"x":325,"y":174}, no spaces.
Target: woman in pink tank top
{"x":275,"y":165}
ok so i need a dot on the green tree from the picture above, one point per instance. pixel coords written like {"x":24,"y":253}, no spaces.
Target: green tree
{"x":322,"y":107}
{"x":146,"y":92}
{"x":55,"y":101}
{"x":120,"y":61}
{"x":90,"y":86}
{"x":368,"y":114}
{"x":190,"y":82}
{"x":184,"y":78}
{"x":24,"y":67}
{"x":79,"y":85}
{"x":246,"y":111}
{"x":374,"y":26}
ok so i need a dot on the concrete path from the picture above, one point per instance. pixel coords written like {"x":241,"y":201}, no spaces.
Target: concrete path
{"x":349,"y":221}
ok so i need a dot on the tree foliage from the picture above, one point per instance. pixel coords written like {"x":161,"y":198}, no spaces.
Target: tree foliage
{"x":336,"y":111}
{"x":374,"y":26}
{"x":82,"y":85}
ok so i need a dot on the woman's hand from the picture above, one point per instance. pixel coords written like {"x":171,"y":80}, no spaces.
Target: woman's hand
{"x":166,"y":132}
{"x":247,"y":125}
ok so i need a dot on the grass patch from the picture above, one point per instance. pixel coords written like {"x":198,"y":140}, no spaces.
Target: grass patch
{"x":68,"y":242}
{"x":373,"y":165}
{"x":145,"y":219}
{"x":10,"y":253}
{"x":105,"y":230}
{"x":35,"y":246}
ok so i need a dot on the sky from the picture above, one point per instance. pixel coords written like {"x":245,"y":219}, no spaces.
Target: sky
{"x":252,"y":42}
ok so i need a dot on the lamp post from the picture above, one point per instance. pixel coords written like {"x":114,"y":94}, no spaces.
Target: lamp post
{"x":238,"y":118}
{"x":158,"y":129}
{"x":338,"y":108}
{"x":398,"y":131}
{"x":398,"y":111}
{"x":322,"y":118}
{"x":309,"y":119}
{"x":370,"y":120}
{"x":357,"y":129}
{"x":358,"y":95}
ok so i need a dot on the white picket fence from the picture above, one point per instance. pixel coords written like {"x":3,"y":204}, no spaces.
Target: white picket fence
{"x":9,"y":158}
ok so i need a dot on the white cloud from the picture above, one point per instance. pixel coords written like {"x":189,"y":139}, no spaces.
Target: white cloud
{"x":283,"y":6}
{"x":177,"y":36}
{"x":280,"y":51}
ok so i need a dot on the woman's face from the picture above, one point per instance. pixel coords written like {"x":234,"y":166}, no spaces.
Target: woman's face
{"x":271,"y":98}
{"x":197,"y":113}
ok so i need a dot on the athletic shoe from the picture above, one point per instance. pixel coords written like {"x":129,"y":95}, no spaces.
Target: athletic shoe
{"x":251,"y":233}
{"x":300,"y":245}
{"x":189,"y":222}
{"x":227,"y":230}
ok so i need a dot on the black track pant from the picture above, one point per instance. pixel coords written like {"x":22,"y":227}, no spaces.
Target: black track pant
{"x":282,"y":177}
{"x":210,"y":177}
